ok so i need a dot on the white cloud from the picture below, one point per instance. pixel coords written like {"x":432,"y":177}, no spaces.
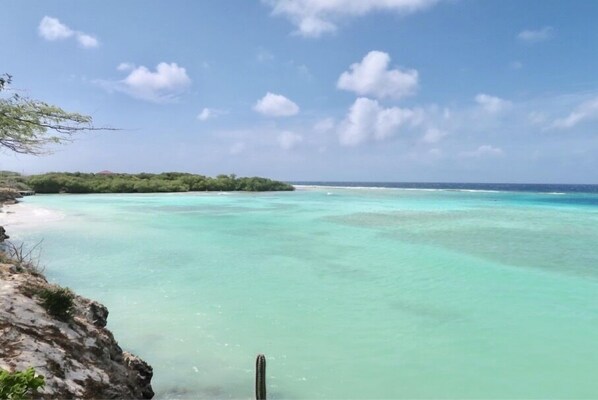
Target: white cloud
{"x":287,"y":140}
{"x":52,"y":29}
{"x":372,"y":77}
{"x":535,"y":36}
{"x":316,"y":17}
{"x":276,"y":105}
{"x":205,"y":114}
{"x":209,"y":113}
{"x":125,"y":66}
{"x":87,"y":41}
{"x":584,"y":112}
{"x":434,"y":135}
{"x":159,"y":86}
{"x":367,"y":120}
{"x":324,"y":125}
{"x":492,"y":104}
{"x":483,"y":151}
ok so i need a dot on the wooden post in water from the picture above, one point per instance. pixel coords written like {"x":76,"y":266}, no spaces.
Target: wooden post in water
{"x":260,"y":377}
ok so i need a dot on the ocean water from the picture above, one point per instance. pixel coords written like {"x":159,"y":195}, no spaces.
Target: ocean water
{"x":350,"y":292}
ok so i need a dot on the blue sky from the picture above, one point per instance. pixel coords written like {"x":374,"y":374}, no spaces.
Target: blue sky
{"x":353,"y":90}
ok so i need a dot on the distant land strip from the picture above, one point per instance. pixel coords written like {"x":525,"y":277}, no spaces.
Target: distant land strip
{"x":110,"y":182}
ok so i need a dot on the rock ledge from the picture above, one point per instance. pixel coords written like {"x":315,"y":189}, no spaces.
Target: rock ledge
{"x":79,"y":359}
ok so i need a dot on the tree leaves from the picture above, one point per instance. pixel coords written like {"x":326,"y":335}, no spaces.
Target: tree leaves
{"x":29,"y":126}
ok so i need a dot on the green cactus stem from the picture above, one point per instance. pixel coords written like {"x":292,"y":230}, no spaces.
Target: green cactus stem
{"x":260,"y":377}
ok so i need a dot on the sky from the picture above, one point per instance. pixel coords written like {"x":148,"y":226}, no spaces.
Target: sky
{"x":315,"y":90}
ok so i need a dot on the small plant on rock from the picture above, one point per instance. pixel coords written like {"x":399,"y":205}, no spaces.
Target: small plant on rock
{"x":58,"y":302}
{"x":25,"y":258}
{"x":19,"y":385}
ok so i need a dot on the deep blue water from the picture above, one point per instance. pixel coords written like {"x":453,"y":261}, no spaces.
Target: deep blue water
{"x":565,"y":194}
{"x":503,"y":187}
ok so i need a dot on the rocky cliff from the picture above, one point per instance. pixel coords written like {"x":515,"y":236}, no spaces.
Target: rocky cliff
{"x":78,"y":357}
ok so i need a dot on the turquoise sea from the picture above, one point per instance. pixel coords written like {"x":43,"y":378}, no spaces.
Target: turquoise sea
{"x":350,"y":292}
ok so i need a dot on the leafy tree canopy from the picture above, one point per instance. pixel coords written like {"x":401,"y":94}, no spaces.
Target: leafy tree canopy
{"x":28,"y":126}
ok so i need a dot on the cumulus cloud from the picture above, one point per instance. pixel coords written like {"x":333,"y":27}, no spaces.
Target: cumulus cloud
{"x":483,"y":151}
{"x":159,"y":86}
{"x":372,"y":77}
{"x":209,"y":113}
{"x":316,"y":17}
{"x":87,"y":41}
{"x":588,"y":110}
{"x":535,"y":36}
{"x":287,"y":140}
{"x":492,"y":104}
{"x":276,"y":105}
{"x":367,"y":120}
{"x":52,"y":29}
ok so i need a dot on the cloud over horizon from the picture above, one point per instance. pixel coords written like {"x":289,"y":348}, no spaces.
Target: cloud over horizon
{"x":484,"y":151}
{"x":367,"y":121}
{"x":287,"y":140}
{"x":587,"y":110}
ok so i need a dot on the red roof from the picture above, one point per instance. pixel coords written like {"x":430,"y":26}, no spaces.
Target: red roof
{"x":105,"y":172}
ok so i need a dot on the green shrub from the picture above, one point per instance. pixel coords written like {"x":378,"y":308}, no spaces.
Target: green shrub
{"x":20,"y":384}
{"x":58,"y":302}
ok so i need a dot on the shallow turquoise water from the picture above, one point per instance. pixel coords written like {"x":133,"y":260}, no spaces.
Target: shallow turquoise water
{"x":351,"y":293}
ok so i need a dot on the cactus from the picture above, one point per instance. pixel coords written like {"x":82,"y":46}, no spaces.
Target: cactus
{"x":260,"y":377}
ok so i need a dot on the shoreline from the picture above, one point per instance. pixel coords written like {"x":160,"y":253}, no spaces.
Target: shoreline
{"x":76,"y":356}
{"x":23,"y":215}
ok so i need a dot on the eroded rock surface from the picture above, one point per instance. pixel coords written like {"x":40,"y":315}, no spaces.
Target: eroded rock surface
{"x":3,"y":235}
{"x":79,"y":358}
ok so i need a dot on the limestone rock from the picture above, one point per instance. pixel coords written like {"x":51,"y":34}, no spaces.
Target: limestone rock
{"x":97,"y":313}
{"x":79,"y":359}
{"x":3,"y":235}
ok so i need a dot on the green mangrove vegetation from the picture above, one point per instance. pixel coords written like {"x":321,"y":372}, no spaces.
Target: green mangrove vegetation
{"x":107,"y":182}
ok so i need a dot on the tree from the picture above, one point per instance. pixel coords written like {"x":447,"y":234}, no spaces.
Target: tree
{"x":28,"y":126}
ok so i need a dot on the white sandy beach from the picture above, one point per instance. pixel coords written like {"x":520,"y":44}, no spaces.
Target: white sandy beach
{"x":23,"y":215}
